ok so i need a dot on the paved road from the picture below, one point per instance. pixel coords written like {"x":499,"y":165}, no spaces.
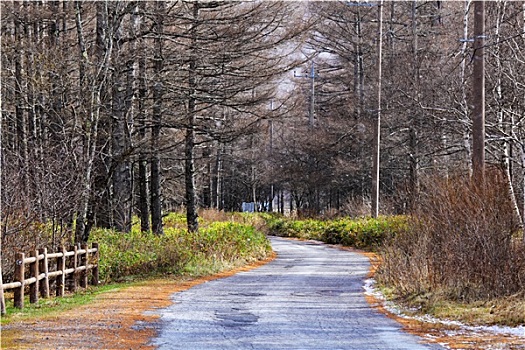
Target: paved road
{"x":310,"y":297}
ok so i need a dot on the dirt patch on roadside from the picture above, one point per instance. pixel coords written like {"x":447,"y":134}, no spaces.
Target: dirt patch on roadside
{"x":115,"y":320}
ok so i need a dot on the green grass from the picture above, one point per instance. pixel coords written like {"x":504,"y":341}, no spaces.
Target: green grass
{"x":54,"y":305}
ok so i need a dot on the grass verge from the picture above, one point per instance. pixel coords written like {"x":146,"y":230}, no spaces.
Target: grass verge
{"x":134,"y":256}
{"x":55,"y":305}
{"x":502,"y":311}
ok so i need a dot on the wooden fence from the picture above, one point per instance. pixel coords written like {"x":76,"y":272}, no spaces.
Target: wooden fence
{"x":72,"y":269}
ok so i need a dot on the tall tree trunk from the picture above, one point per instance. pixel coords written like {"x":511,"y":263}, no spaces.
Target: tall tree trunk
{"x":158,"y":92}
{"x":143,"y":202}
{"x":478,"y":93}
{"x":523,"y":148}
{"x":54,"y":104}
{"x":359,"y":74}
{"x":101,"y":206}
{"x":506,"y":144}
{"x":121,"y":176}
{"x":20,"y":90}
{"x":121,"y":103}
{"x":216,"y":179}
{"x":413,"y":132}
{"x":189,"y":168}
{"x":206,"y":191}
{"x":31,"y":123}
{"x":463,"y":79}
{"x":376,"y":157}
{"x":93,"y":107}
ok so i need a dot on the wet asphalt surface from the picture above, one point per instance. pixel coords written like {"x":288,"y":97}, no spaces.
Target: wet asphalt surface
{"x":310,"y":297}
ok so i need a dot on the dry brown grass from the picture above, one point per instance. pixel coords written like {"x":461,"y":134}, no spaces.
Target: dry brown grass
{"x":454,"y":336}
{"x":461,"y":244}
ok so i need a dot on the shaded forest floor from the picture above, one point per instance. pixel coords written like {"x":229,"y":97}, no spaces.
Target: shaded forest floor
{"x":126,"y":319}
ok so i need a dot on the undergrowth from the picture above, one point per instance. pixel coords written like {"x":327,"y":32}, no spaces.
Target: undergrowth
{"x":462,"y":250}
{"x":216,"y":246}
{"x":363,"y":233}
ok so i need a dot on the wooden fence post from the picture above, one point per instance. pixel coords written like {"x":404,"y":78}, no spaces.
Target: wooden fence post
{"x":33,"y":271}
{"x":73,"y":263}
{"x":69,"y":264}
{"x":94,"y":274}
{"x":44,"y":267}
{"x":84,"y":261}
{"x":19,"y":277}
{"x":61,"y":279}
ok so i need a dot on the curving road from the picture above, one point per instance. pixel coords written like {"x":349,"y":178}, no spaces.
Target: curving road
{"x":310,"y":297}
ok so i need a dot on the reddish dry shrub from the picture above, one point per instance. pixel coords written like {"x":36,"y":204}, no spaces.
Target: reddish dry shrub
{"x":22,"y":232}
{"x":461,"y":242}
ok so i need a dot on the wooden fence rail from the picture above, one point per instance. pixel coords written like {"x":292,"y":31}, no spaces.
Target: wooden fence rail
{"x":72,"y":269}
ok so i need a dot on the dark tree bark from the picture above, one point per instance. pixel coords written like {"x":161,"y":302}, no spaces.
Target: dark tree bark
{"x":20,"y":90}
{"x":121,"y":176}
{"x":158,"y":92}
{"x":189,"y":168}
{"x":121,"y":143}
{"x":143,"y":201}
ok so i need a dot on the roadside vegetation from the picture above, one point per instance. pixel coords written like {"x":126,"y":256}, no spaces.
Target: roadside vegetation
{"x":224,"y":241}
{"x":216,"y":246}
{"x":462,"y":256}
{"x":363,"y":233}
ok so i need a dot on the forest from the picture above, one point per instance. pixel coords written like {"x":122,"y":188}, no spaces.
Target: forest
{"x":116,"y":110}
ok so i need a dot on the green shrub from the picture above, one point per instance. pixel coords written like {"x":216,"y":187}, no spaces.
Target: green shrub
{"x":218,"y":245}
{"x":175,"y":220}
{"x":364,"y":233}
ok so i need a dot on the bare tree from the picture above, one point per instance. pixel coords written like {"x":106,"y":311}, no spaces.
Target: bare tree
{"x":143,"y":198}
{"x":158,"y":92}
{"x":93,"y":108}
